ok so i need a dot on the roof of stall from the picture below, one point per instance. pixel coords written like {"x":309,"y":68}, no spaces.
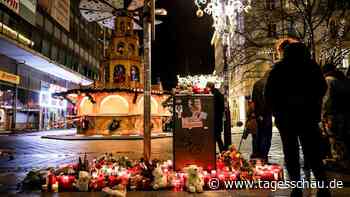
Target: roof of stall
{"x":104,"y":11}
{"x":89,"y":90}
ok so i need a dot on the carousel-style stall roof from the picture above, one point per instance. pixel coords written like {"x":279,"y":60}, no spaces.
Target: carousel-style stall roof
{"x":104,"y":11}
{"x":87,"y":91}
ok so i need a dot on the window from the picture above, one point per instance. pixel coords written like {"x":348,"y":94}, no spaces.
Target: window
{"x":54,"y":52}
{"x":37,"y":39}
{"x":333,"y":29}
{"x":270,"y":4}
{"x":272,"y":28}
{"x":39,"y":19}
{"x":64,"y":38}
{"x":6,"y":18}
{"x":62,"y":56}
{"x":134,"y":73}
{"x":57,"y":33}
{"x":131,"y":50}
{"x":119,"y":74}
{"x":46,"y":48}
{"x":69,"y":60}
{"x":82,"y":51}
{"x":71,"y":44}
{"x":76,"y":48}
{"x":121,"y":48}
{"x":48,"y":26}
{"x":345,"y":62}
{"x":122,"y":27}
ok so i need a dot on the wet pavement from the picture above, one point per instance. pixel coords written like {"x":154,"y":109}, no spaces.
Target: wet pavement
{"x":32,"y":151}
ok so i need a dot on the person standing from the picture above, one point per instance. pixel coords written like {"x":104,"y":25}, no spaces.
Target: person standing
{"x":335,"y":112}
{"x":219,"y":108}
{"x":263,"y":118}
{"x":294,"y":92}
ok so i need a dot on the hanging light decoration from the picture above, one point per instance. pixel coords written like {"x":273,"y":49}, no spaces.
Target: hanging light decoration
{"x":223,"y":12}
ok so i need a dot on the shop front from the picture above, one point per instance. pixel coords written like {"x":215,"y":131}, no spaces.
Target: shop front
{"x":28,"y":110}
{"x":53,"y":111}
{"x":6,"y":106}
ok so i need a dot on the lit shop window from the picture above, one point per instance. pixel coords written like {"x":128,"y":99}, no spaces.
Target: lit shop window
{"x":46,"y":99}
{"x":346,"y":62}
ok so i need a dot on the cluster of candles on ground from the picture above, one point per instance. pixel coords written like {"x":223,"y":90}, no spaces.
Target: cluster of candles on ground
{"x":107,"y":171}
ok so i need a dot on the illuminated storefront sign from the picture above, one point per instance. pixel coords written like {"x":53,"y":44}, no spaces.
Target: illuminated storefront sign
{"x":12,"y":4}
{"x":8,"y":77}
{"x":46,"y":99}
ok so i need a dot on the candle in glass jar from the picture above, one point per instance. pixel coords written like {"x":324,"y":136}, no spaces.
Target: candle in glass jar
{"x":55,"y":187}
{"x":66,"y":182}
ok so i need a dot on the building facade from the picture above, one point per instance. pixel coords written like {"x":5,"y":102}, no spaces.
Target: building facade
{"x":253,"y":46}
{"x":45,"y":47}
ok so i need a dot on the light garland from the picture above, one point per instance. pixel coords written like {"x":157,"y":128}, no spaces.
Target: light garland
{"x":199,"y":81}
{"x":224,"y":12}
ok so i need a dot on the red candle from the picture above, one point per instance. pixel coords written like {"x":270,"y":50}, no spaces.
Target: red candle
{"x":51,"y":179}
{"x":267,"y":175}
{"x":177,"y":185}
{"x":101,"y":182}
{"x":112,"y":181}
{"x":66,"y":182}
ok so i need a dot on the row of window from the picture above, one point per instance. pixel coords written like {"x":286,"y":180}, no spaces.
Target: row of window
{"x":81,"y":55}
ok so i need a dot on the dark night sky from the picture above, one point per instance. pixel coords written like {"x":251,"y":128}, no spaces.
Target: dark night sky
{"x":182,"y":43}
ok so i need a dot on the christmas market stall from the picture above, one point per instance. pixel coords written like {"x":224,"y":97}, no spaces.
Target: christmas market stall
{"x":113,"y":105}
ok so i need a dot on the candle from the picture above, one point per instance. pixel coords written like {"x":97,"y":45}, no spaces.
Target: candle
{"x":221,"y":176}
{"x":66,"y":182}
{"x":101,"y":181}
{"x":55,"y":187}
{"x":112,"y":181}
{"x":177,"y":185}
{"x":94,"y":174}
{"x":213,"y":173}
{"x":44,"y":187}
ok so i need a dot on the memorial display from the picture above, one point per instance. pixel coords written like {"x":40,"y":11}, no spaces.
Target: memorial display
{"x":117,"y":175}
{"x":194,"y":141}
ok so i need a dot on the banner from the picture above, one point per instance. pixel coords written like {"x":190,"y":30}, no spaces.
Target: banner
{"x":12,"y":4}
{"x":60,"y":11}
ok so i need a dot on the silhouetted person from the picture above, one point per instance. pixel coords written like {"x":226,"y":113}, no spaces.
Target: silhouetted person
{"x":263,"y":117}
{"x":294,"y":92}
{"x":335,"y":110}
{"x":219,"y":108}
{"x":333,"y":106}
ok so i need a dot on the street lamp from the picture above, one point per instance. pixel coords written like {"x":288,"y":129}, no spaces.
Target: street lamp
{"x":225,"y":16}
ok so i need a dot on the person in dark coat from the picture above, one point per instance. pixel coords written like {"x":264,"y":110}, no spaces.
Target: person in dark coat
{"x":219,"y":108}
{"x":294,"y":92}
{"x":335,"y":110}
{"x":263,"y":118}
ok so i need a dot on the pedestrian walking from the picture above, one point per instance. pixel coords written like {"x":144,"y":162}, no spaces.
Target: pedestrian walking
{"x":219,"y":108}
{"x":294,"y":92}
{"x":263,"y":117}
